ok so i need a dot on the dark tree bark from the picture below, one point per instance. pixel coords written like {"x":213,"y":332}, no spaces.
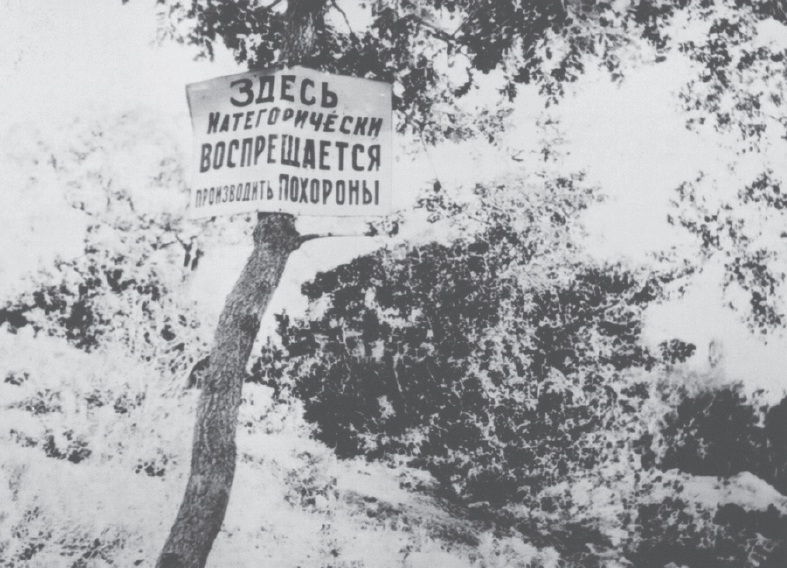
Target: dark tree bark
{"x":213,"y":452}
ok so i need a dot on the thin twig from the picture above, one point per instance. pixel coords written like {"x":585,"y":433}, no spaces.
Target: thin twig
{"x":436,"y":31}
{"x":344,"y":15}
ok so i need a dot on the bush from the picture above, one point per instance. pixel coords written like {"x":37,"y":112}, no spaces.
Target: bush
{"x":722,"y":432}
{"x":114,"y":295}
{"x":513,"y":369}
{"x":497,"y":382}
{"x":676,"y":532}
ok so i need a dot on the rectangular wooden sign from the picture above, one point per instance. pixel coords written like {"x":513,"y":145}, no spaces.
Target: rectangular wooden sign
{"x":291,"y":140}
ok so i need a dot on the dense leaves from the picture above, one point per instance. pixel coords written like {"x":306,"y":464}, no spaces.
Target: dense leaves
{"x":435,"y":51}
{"x":431,"y":354}
{"x":724,"y":432}
{"x":674,"y":532}
{"x":512,"y":396}
{"x":715,"y":433}
{"x":498,"y":362}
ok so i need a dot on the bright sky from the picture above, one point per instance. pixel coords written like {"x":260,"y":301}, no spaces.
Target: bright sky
{"x":60,"y":60}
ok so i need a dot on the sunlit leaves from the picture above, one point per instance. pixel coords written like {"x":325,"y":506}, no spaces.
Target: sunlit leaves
{"x":746,"y":232}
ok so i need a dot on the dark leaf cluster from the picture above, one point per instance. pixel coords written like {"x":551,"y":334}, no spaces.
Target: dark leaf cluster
{"x":437,"y":355}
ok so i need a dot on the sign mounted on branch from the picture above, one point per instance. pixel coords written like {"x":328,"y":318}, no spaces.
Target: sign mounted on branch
{"x":292,"y":140}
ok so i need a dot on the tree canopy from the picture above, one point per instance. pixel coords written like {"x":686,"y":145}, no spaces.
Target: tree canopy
{"x":436,"y":52}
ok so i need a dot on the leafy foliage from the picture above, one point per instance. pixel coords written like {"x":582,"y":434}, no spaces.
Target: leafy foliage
{"x":419,"y":44}
{"x":723,"y":432}
{"x":121,"y":290}
{"x":712,"y":433}
{"x":676,"y":532}
{"x":744,"y":231}
{"x":495,"y":362}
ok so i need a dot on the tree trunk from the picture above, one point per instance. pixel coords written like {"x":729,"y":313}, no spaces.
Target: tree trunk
{"x":213,"y":452}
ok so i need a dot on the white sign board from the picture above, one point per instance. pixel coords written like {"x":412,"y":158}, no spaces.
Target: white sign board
{"x":291,"y":140}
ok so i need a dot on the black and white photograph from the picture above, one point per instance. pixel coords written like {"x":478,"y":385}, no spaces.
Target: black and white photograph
{"x":393,"y":284}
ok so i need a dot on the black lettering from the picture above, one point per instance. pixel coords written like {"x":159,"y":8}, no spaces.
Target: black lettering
{"x":360,"y":126}
{"x":374,"y":157}
{"x":354,"y":192}
{"x":315,"y":119}
{"x":304,"y":189}
{"x":213,"y":122}
{"x":324,"y":145}
{"x":329,"y":98}
{"x":284,"y":182}
{"x":329,"y":120}
{"x":265,"y":81}
{"x":244,"y":89}
{"x":340,"y":192}
{"x":272,"y":147}
{"x":204,"y":162}
{"x":273,"y":115}
{"x":308,"y":101}
{"x":308,"y":153}
{"x":245,"y":152}
{"x":300,"y":118}
{"x":286,"y":84}
{"x":284,"y":159}
{"x":374,"y":126}
{"x":357,"y":149}
{"x":233,"y":144}
{"x":225,"y":124}
{"x":343,"y":128}
{"x":342,"y":146}
{"x":367,"y":195}
{"x":327,"y":188}
{"x":218,"y":155}
{"x":259,"y":148}
{"x":297,"y":152}
{"x":289,"y":150}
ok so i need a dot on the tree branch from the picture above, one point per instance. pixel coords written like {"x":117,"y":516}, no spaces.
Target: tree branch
{"x":344,"y":15}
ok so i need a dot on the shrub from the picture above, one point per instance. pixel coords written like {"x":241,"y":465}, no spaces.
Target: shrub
{"x":722,"y":432}
{"x":499,"y":382}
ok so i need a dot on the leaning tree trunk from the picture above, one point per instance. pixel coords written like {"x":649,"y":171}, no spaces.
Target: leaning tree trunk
{"x":213,"y":452}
